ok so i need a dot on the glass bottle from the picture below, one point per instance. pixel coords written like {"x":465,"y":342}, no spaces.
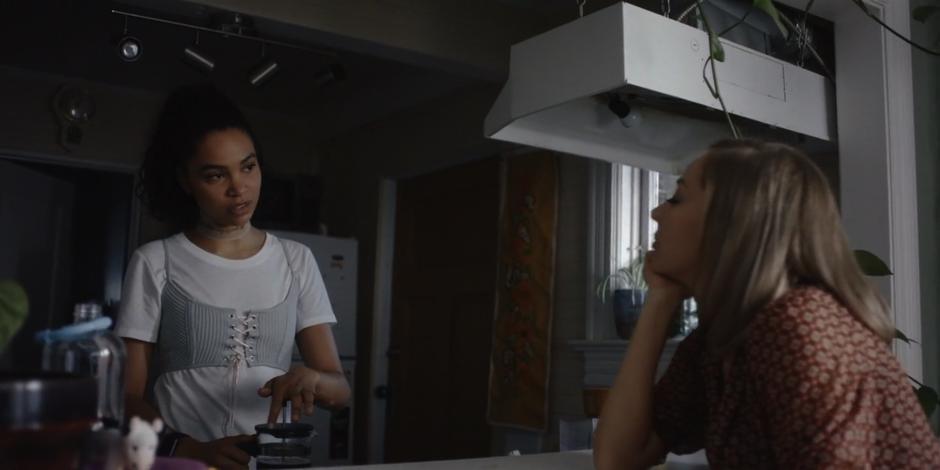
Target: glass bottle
{"x":88,"y":347}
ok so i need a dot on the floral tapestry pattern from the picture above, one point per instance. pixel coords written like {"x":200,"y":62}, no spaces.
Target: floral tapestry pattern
{"x":519,"y":365}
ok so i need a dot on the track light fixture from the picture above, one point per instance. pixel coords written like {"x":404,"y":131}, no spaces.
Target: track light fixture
{"x":128,"y":48}
{"x":264,"y":70}
{"x":263,"y":73}
{"x":237,"y":26}
{"x":629,"y":116}
{"x":198,"y":58}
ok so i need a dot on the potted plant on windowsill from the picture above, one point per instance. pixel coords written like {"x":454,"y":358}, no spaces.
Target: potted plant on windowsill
{"x":629,"y":292}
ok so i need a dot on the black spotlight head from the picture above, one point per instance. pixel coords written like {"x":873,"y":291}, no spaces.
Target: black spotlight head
{"x":618,"y":106}
{"x":198,"y":59}
{"x":129,"y":48}
{"x":263,"y":72}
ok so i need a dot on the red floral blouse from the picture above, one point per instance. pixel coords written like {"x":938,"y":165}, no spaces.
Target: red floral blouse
{"x":810,"y":387}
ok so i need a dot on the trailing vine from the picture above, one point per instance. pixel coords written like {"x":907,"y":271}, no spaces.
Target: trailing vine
{"x":928,"y":396}
{"x":716,"y":51}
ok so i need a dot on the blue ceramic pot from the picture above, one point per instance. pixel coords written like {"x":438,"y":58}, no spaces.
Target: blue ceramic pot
{"x":627,"y":306}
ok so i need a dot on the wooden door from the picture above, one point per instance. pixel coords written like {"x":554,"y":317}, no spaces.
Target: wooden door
{"x":443,"y":294}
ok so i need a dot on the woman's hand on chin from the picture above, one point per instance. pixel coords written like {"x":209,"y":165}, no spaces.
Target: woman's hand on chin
{"x":299,"y":386}
{"x":661,"y":287}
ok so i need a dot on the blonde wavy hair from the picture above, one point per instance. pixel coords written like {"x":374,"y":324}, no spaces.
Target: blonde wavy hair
{"x":772,"y":218}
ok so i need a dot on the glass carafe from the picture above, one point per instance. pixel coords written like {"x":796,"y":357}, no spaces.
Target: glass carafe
{"x":88,"y":347}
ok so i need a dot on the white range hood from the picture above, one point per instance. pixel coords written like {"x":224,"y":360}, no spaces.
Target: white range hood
{"x":556,"y":95}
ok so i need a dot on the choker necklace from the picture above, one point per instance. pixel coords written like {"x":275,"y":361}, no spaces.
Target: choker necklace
{"x":220,"y":233}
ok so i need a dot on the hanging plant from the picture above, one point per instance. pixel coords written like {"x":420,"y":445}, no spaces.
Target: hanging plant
{"x":872,"y":265}
{"x":716,"y":52}
{"x":13,"y":309}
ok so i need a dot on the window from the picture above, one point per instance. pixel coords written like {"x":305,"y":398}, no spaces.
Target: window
{"x":634,"y":195}
{"x":624,"y":198}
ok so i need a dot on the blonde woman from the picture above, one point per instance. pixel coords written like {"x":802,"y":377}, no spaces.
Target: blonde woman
{"x":791,"y":366}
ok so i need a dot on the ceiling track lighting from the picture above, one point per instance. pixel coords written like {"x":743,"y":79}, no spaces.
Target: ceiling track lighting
{"x":129,"y":48}
{"x":264,"y":71}
{"x":228,"y":32}
{"x":198,"y":58}
{"x":237,"y":26}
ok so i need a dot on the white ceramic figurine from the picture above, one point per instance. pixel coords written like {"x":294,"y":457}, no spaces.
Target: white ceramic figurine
{"x":140,"y":444}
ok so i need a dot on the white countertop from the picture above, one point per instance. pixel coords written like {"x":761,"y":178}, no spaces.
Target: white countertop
{"x":574,"y":460}
{"x":555,"y":460}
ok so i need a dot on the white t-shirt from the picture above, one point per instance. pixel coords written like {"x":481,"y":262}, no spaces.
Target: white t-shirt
{"x":194,"y":401}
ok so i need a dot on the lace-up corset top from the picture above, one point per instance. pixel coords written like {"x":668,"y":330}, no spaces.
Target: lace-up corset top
{"x":193,"y":334}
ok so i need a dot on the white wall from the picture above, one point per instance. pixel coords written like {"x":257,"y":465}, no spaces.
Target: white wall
{"x":927,"y":128}
{"x":570,"y":279}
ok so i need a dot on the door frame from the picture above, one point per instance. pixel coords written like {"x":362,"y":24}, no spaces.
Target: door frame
{"x":133,"y":232}
{"x":381,"y":316}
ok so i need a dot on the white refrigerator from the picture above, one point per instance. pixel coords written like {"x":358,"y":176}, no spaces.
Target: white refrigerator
{"x":337,"y":260}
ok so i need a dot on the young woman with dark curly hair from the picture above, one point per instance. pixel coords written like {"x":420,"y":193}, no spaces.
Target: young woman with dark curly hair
{"x":791,"y":365}
{"x":216,"y":309}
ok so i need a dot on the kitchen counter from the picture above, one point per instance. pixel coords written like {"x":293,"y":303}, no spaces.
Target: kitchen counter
{"x":556,"y":460}
{"x":575,"y":460}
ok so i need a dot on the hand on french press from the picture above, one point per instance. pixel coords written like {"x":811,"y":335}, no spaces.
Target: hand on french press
{"x":299,"y":386}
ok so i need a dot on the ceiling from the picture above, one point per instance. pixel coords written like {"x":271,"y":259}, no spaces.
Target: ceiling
{"x":77,"y":38}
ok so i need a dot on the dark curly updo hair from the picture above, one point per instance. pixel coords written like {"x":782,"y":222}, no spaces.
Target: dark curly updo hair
{"x":189,"y":114}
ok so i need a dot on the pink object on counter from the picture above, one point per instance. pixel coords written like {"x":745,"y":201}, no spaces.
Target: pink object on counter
{"x":177,"y":463}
